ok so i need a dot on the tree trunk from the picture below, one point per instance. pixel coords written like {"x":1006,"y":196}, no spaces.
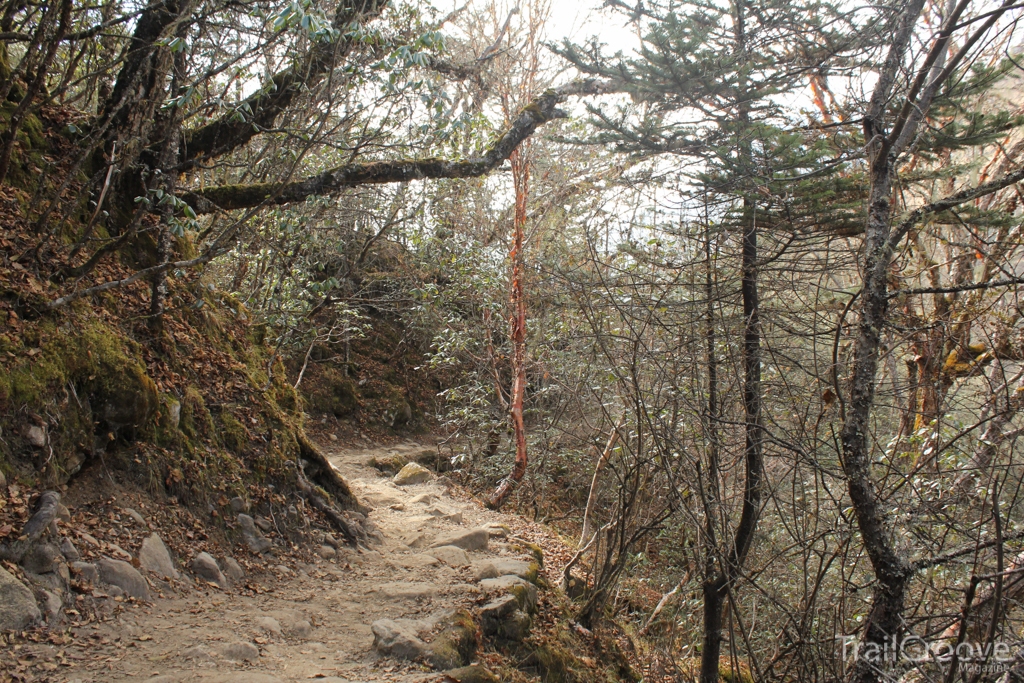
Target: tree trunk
{"x":717,"y":587}
{"x":892,"y":570}
{"x":521,"y":180}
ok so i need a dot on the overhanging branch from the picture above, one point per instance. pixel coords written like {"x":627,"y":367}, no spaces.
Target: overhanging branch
{"x":953,"y":200}
{"x":540,"y":111}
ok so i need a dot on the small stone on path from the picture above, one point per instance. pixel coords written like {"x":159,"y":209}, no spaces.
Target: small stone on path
{"x":411,"y":474}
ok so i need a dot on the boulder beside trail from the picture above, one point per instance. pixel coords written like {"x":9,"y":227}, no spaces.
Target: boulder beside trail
{"x":390,"y":638}
{"x":18,"y":608}
{"x":155,"y":557}
{"x":206,"y":568}
{"x":457,"y":643}
{"x":124,"y":576}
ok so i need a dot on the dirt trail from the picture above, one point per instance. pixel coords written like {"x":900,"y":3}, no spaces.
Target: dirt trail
{"x":324,"y":609}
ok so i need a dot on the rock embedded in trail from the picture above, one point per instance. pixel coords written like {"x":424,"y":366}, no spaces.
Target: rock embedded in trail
{"x":18,"y":608}
{"x":474,"y":539}
{"x":390,"y":638}
{"x":239,"y":651}
{"x":411,"y":474}
{"x":524,"y":591}
{"x":125,"y":577}
{"x":327,"y":552}
{"x":450,"y":555}
{"x":206,"y":568}
{"x":155,"y":557}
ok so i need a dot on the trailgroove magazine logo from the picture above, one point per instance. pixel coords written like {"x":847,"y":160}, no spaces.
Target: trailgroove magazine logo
{"x":990,"y":657}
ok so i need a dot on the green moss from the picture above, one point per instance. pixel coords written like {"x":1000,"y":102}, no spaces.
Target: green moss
{"x":233,"y":433}
{"x":333,"y":394}
{"x":533,"y":549}
{"x":554,"y":663}
{"x":456,"y":644}
{"x":90,"y":377}
{"x":389,"y":464}
{"x":196,"y":421}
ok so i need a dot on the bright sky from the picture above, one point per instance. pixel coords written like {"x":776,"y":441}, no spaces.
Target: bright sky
{"x":578,"y":20}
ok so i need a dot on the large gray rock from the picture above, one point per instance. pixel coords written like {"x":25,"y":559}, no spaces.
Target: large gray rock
{"x":124,"y":576}
{"x":450,"y":555}
{"x":206,"y":568}
{"x":524,"y":591}
{"x":503,"y":618}
{"x":253,"y":537}
{"x":42,"y":558}
{"x":474,"y":539}
{"x":154,"y":556}
{"x":413,"y":473}
{"x":390,"y":638}
{"x":18,"y":608}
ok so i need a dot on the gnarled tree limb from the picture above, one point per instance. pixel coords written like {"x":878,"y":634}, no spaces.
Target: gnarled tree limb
{"x":231,"y":131}
{"x":534,"y":115}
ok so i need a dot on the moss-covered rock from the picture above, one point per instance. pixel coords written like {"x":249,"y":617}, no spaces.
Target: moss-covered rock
{"x":90,"y":378}
{"x":456,"y":644}
{"x":332,"y":394}
{"x":389,"y":464}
